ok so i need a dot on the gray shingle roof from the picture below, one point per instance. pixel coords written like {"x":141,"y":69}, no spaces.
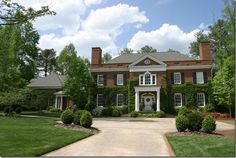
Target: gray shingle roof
{"x":53,"y":81}
{"x":162,"y":56}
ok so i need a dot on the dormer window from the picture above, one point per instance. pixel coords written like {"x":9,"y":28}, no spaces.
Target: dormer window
{"x":147,"y":79}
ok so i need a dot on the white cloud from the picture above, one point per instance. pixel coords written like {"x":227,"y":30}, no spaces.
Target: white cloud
{"x":100,"y":28}
{"x":92,"y":2}
{"x":163,"y":38}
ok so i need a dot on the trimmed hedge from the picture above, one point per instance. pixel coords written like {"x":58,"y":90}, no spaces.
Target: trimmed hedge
{"x":86,"y":119}
{"x":195,"y":119}
{"x":77,"y":116}
{"x":116,"y":113}
{"x":208,"y":124}
{"x":67,"y":116}
{"x":134,"y":114}
{"x":182,"y":123}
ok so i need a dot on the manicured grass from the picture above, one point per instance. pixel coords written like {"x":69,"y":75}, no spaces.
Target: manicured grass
{"x":227,"y":121}
{"x":40,"y":113}
{"x":33,"y":136}
{"x":201,"y":146}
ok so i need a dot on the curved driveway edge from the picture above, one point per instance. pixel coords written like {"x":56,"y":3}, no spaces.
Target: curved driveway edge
{"x":123,"y":137}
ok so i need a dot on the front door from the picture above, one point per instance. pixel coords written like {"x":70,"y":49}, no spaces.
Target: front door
{"x":148,"y":102}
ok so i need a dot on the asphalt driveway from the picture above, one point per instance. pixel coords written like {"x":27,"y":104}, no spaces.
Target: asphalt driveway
{"x":123,"y":137}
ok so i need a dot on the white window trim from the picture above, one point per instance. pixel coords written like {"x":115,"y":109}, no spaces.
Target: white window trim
{"x":100,"y":84}
{"x":117,"y":99}
{"x":151,"y":79}
{"x":204,"y":100}
{"x":97,"y":99}
{"x":181,"y":100}
{"x":122,"y":80}
{"x":202,"y":78}
{"x":177,"y":73}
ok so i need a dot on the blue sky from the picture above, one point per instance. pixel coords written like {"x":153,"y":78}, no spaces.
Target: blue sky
{"x":115,"y":24}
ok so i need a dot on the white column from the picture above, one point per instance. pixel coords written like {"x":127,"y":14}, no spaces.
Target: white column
{"x":61,"y":102}
{"x":158,"y":99}
{"x":136,"y":101}
{"x":56,"y":102}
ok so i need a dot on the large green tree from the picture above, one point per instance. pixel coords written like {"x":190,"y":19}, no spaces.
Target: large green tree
{"x":147,"y":49}
{"x":11,"y":13}
{"x":106,"y":57}
{"x":64,"y":59}
{"x":126,"y":51}
{"x":78,"y":82}
{"x":47,"y":61}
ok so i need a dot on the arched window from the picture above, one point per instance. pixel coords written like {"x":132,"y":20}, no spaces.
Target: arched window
{"x":147,"y":79}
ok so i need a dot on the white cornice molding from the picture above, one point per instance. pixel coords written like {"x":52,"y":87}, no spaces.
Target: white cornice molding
{"x":147,"y":68}
{"x":189,"y":67}
{"x":107,"y":69}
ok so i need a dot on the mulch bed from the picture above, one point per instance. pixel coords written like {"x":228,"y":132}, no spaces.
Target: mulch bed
{"x":91,"y":130}
{"x":226,"y":133}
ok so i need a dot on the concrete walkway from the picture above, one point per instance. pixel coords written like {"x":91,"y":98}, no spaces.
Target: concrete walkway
{"x":127,"y":137}
{"x":123,"y":137}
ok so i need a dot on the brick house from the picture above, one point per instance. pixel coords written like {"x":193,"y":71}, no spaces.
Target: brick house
{"x":152,"y":72}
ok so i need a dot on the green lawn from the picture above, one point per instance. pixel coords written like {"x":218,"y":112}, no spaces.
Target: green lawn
{"x":39,"y":113}
{"x":33,"y":136}
{"x":228,"y":121}
{"x":201,"y":146}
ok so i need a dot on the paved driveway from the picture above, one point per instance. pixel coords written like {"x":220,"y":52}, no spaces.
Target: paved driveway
{"x":123,"y":137}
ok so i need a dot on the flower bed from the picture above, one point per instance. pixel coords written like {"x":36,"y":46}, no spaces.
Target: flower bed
{"x":217,"y":115}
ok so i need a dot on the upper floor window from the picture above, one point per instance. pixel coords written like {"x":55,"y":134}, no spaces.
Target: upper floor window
{"x":147,"y":79}
{"x":178,"y":99}
{"x":120,"y":99}
{"x":199,"y":77}
{"x":177,"y":78}
{"x":100,"y":80}
{"x":200,"y":99}
{"x":120,"y":79}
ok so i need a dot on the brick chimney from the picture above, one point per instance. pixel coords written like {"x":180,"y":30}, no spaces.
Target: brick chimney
{"x":205,"y":51}
{"x":96,"y":56}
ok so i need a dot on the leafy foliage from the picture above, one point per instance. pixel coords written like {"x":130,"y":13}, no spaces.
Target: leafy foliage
{"x":208,"y":124}
{"x":147,"y":49}
{"x":86,"y":119}
{"x":182,"y":123}
{"x":126,"y":51}
{"x":106,"y":57}
{"x":134,"y":114}
{"x":195,"y":119}
{"x":67,"y":116}
{"x":47,"y":61}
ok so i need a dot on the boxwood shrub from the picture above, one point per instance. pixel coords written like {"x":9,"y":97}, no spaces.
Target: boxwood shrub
{"x":134,"y":114}
{"x":116,"y":113}
{"x":195,"y":119}
{"x":86,"y":119}
{"x":182,"y":123}
{"x":77,"y":116}
{"x":67,"y":116}
{"x":208,"y":124}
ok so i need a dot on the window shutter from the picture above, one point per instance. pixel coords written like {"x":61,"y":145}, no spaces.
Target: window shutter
{"x":194,"y":78}
{"x":114,"y":99}
{"x":125,"y":79}
{"x":115,"y":79}
{"x":205,"y":77}
{"x":105,"y":80}
{"x":182,"y":78}
{"x":96,"y":78}
{"x":183,"y":99}
{"x":206,"y":98}
{"x":172,"y":78}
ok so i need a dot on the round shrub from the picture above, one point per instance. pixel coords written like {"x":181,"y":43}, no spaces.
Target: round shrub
{"x":160,"y":114}
{"x":209,"y":108}
{"x":67,"y":116}
{"x":77,"y":116}
{"x":54,"y":110}
{"x":183,"y":111}
{"x":208,"y":124}
{"x":195,"y":119}
{"x":86,"y":119}
{"x":97,"y":111}
{"x":90,"y":105}
{"x":181,"y":123}
{"x":134,"y":114}
{"x":18,"y":110}
{"x":107,"y":111}
{"x":116,"y":113}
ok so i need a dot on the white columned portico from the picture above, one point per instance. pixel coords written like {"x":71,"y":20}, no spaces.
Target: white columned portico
{"x":147,"y":89}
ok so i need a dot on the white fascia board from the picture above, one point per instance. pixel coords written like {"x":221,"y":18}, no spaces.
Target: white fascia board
{"x":189,"y":67}
{"x":147,"y":68}
{"x":107,"y":69}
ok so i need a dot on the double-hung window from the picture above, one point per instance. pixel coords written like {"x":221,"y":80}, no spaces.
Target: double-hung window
{"x":120,"y":100}
{"x":178,"y":99}
{"x":120,"y":79}
{"x":199,"y":78}
{"x":200,"y":99}
{"x":177,"y":78}
{"x":99,"y":99}
{"x":100,"y":80}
